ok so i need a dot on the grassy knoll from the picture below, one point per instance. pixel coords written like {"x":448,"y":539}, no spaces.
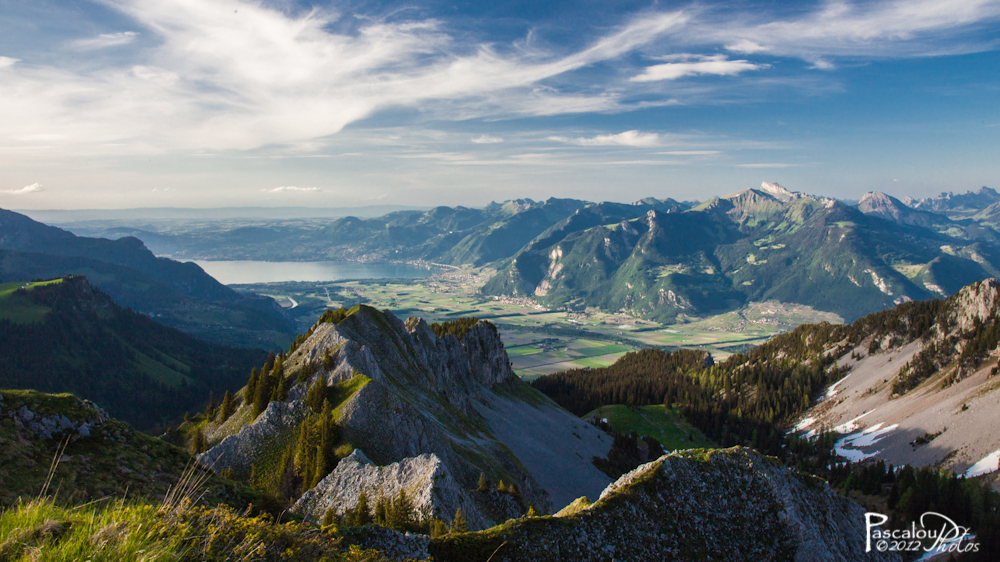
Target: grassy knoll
{"x":666,"y":425}
{"x":19,"y":309}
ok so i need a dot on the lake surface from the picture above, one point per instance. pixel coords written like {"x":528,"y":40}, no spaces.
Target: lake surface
{"x":245,"y":271}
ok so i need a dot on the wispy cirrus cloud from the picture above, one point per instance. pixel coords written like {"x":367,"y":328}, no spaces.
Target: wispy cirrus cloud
{"x":230,"y":74}
{"x":487,"y":139}
{"x":768,"y":165}
{"x":33,"y":188}
{"x":627,"y":138}
{"x":240,"y":75}
{"x":885,"y":29}
{"x":292,"y":189}
{"x":106,"y":40}
{"x":692,"y":65}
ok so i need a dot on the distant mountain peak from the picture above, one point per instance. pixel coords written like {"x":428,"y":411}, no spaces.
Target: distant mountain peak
{"x":878,"y":204}
{"x":948,"y":201}
{"x":778,"y":192}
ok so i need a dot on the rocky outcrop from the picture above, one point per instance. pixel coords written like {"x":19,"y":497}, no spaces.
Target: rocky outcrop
{"x":237,"y":453}
{"x":729,"y":504}
{"x":57,"y":425}
{"x":424,"y":479}
{"x":975,"y":305}
{"x":451,"y":403}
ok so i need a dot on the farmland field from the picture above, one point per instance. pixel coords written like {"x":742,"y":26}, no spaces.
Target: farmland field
{"x":540,"y":341}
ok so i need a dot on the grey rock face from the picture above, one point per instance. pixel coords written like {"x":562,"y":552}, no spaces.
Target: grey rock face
{"x":424,"y":478}
{"x":238,"y":452}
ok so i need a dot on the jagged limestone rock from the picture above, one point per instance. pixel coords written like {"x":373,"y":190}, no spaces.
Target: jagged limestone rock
{"x":424,"y":478}
{"x":457,"y":400}
{"x":726,"y":505}
{"x":238,"y":452}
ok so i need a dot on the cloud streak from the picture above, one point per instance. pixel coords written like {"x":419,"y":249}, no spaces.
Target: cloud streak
{"x":887,"y":29}
{"x":33,"y":188}
{"x":692,"y":65}
{"x":106,"y":40}
{"x":291,"y":188}
{"x":627,"y":138}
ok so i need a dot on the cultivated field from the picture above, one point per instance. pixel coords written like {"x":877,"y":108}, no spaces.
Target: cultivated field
{"x":540,"y":341}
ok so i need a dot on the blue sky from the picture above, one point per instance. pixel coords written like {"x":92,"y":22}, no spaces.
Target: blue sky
{"x":206,"y":103}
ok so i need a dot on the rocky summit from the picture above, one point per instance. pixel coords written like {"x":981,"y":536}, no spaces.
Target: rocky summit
{"x":428,"y":414}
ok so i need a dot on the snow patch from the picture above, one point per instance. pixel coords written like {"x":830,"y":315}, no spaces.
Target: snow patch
{"x":832,"y":391}
{"x":860,"y":439}
{"x":989,"y":463}
{"x":805,"y":423}
{"x":852,"y":425}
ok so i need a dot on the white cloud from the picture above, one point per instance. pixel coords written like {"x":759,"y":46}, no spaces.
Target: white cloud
{"x":33,"y":188}
{"x":105,"y":40}
{"x":288,"y":188}
{"x":718,"y":65}
{"x":889,"y":28}
{"x":231,"y":74}
{"x":745,"y":46}
{"x":691,"y":152}
{"x":627,"y":138}
{"x":768,"y":165}
{"x":486,"y":139}
{"x":239,"y":75}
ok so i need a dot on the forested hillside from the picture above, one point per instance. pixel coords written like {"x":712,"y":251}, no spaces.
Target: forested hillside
{"x":66,"y":336}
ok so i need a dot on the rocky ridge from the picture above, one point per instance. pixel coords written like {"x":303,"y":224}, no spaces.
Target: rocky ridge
{"x":415,"y":397}
{"x":728,"y":504}
{"x":424,"y":478}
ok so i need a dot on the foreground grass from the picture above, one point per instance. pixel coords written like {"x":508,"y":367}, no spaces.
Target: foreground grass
{"x":42,"y":530}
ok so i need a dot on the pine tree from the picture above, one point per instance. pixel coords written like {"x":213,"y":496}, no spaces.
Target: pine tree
{"x":458,"y":524}
{"x":532,"y":512}
{"x":251,"y":386}
{"x":483,"y":485}
{"x":226,"y":409}
{"x":281,"y":390}
{"x":317,"y":394}
{"x":199,"y":444}
{"x":399,"y":515}
{"x":438,"y":528}
{"x":329,"y":519}
{"x":361,"y":514}
{"x":307,"y":371}
{"x":262,"y":397}
{"x":381,"y":513}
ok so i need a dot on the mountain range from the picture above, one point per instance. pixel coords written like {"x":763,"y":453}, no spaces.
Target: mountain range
{"x":176,"y":294}
{"x":660,"y":259}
